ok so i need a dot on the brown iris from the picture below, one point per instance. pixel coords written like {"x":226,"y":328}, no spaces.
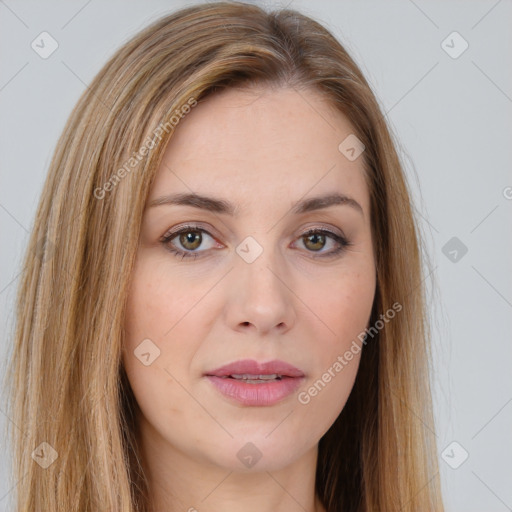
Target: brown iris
{"x":317,"y":241}
{"x":191,"y":240}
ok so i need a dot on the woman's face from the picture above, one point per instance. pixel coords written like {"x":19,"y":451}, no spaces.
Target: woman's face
{"x":232,"y":275}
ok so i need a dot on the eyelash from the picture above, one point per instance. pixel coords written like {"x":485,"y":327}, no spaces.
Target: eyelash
{"x":342,"y":241}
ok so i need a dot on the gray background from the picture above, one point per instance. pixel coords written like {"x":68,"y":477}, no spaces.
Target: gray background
{"x":452,"y":120}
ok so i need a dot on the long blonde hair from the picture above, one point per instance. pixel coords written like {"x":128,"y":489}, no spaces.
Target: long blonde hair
{"x":67,"y":383}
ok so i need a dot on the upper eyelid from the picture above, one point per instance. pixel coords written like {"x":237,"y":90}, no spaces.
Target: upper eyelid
{"x":171,"y":233}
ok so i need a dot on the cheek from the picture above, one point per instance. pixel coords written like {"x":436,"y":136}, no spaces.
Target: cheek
{"x":154,"y":308}
{"x":156,"y":319}
{"x":345,"y":305}
{"x":170,"y":326}
{"x":150,"y":301}
{"x":152,"y":320}
{"x":346,"y":309}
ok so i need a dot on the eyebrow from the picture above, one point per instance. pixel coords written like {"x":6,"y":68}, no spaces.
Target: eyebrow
{"x":225,"y":207}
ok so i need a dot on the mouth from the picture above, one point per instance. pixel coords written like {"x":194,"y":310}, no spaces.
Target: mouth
{"x":256,"y":384}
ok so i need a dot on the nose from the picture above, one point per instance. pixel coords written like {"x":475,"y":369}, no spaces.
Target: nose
{"x":260,"y":296}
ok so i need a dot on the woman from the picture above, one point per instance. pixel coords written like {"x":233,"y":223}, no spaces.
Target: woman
{"x":222,"y":301}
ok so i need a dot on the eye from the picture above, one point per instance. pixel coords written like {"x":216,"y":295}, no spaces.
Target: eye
{"x":185,"y":242}
{"x":315,"y":240}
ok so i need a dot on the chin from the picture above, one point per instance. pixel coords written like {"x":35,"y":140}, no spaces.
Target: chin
{"x":257,"y":453}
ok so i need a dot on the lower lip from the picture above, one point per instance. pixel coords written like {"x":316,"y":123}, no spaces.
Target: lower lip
{"x":267,"y":393}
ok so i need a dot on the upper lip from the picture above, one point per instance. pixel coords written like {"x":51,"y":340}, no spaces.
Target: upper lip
{"x":252,"y":367}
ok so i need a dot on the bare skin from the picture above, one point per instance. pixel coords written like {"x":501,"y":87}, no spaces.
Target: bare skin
{"x":261,"y":150}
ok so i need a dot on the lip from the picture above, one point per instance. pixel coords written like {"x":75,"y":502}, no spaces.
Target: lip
{"x":253,"y":367}
{"x":256,"y":394}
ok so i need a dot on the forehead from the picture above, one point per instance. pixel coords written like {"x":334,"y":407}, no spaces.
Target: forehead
{"x":261,"y":143}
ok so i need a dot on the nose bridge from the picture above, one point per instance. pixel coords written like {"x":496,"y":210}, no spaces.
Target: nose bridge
{"x":260,"y":294}
{"x":260,"y":268}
